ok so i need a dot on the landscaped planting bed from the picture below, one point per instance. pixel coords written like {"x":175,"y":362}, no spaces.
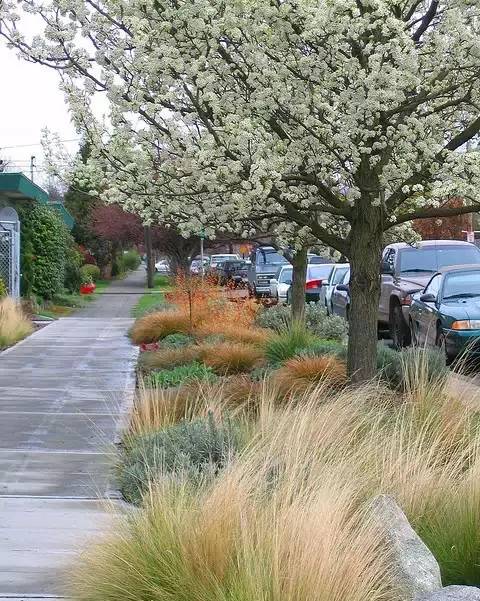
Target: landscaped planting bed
{"x":253,"y":463}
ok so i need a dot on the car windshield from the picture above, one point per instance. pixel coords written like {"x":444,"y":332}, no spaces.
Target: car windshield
{"x":221,"y":258}
{"x":319,"y":272}
{"x":286,"y":275}
{"x":462,"y":284}
{"x":270,"y":257}
{"x":432,"y":258}
{"x":339,"y":275}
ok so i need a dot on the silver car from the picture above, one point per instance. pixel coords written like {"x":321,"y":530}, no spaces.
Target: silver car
{"x":338,"y":272}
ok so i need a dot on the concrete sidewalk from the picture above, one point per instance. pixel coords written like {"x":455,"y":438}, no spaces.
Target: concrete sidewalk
{"x":64,"y":395}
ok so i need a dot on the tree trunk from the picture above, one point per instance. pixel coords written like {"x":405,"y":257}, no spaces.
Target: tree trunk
{"x":150,"y":257}
{"x":365,"y":255}
{"x":299,"y":262}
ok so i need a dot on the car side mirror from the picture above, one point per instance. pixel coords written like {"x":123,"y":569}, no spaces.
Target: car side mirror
{"x":386,"y":268}
{"x":273,"y":281}
{"x":288,"y":282}
{"x":343,"y":287}
{"x":428,"y":298}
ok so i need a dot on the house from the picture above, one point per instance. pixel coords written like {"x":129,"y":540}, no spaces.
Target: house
{"x":16,"y":190}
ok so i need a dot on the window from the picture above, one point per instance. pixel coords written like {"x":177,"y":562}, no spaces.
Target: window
{"x":434,"y":285}
{"x":319,"y":272}
{"x":462,"y":283}
{"x":339,"y":275}
{"x":269,"y":257}
{"x":433,"y":258}
{"x":286,"y":276}
{"x":390,"y":258}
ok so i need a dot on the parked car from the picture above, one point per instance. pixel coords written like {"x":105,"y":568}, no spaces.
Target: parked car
{"x":280,"y":284}
{"x":162,"y":266}
{"x":216,"y":259}
{"x":340,"y":302}
{"x":407,"y":269}
{"x":317,"y":259}
{"x":336,"y":276}
{"x":265,"y":261}
{"x":196,"y":265}
{"x":235,"y":272}
{"x":446,"y":314}
{"x":316,"y":275}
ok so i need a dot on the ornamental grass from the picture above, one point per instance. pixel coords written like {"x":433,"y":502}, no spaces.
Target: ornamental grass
{"x":14,"y":325}
{"x":167,"y":358}
{"x":299,"y":374}
{"x":155,"y":326}
{"x":232,"y":357}
{"x":289,"y":517}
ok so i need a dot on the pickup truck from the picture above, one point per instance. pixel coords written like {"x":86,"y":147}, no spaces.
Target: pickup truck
{"x":265,"y":261}
{"x":406,"y":269}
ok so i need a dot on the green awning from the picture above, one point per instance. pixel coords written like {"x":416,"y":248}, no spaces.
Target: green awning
{"x":17,"y":187}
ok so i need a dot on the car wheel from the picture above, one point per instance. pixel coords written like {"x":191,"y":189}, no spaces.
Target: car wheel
{"x":399,"y":330}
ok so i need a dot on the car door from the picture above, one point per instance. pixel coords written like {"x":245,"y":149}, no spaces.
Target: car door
{"x":341,"y":298}
{"x":426,"y":314}
{"x":386,"y":284}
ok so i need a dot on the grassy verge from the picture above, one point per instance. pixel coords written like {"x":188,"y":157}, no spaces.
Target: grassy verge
{"x":154,"y":298}
{"x":66,"y":303}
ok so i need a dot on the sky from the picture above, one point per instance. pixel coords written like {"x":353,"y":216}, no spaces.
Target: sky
{"x":30,"y":100}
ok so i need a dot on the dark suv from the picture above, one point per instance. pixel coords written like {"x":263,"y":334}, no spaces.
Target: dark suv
{"x":265,"y":261}
{"x":407,"y":269}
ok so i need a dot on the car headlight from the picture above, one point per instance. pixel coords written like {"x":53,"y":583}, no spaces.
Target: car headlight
{"x":466,"y":324}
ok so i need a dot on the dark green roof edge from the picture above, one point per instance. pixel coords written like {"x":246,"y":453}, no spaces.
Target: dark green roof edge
{"x":17,"y":182}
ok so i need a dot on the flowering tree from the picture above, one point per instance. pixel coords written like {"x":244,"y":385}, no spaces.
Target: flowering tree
{"x":313,"y":113}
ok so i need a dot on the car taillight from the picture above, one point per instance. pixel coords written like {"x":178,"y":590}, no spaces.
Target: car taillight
{"x":313,"y":284}
{"x":406,"y":300}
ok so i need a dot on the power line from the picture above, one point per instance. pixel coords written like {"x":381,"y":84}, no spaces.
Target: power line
{"x":36,"y":144}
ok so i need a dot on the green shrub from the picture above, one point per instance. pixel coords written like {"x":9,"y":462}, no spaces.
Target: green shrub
{"x":288,"y":343}
{"x":90,"y":273}
{"x":410,"y":366}
{"x":329,"y":327}
{"x":275,"y":318}
{"x":73,"y":275}
{"x":316,"y":321}
{"x":130,"y":260}
{"x":194,"y":449}
{"x":45,"y":247}
{"x":177,"y":340}
{"x":389,"y":366}
{"x":3,"y":288}
{"x":326,"y":347}
{"x":167,"y":378}
{"x":161,"y":281}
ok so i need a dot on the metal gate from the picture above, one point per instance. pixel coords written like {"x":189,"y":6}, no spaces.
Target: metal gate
{"x":10,"y":250}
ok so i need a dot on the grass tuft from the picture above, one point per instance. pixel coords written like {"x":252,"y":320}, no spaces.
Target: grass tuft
{"x":301,"y":373}
{"x":14,"y":325}
{"x":155,"y":326}
{"x":232,"y":358}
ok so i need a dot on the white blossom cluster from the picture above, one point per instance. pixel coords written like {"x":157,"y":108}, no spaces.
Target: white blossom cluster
{"x":320,"y":116}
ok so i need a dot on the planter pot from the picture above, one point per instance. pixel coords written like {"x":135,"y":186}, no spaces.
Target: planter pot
{"x":87,"y":288}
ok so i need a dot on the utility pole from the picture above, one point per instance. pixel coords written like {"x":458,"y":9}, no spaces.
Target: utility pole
{"x":202,"y":266}
{"x":32,"y":166}
{"x":150,"y":257}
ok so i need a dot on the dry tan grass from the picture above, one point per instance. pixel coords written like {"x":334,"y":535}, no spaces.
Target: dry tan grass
{"x":14,"y":325}
{"x":155,"y":326}
{"x":231,"y":357}
{"x":170,"y":357}
{"x":157,"y":407}
{"x":297,"y":375}
{"x":236,"y":333}
{"x":289,"y":519}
